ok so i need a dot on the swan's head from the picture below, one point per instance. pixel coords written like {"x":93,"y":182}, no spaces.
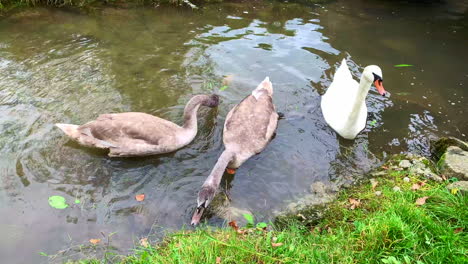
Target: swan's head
{"x":266,"y":85}
{"x":373,"y":73}
{"x":205,"y":196}
{"x":211,"y":101}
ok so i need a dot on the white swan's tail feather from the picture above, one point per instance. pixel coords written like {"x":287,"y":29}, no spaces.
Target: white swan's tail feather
{"x":70,"y":130}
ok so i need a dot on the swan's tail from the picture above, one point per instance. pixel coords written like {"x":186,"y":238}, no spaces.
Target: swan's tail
{"x":70,"y":130}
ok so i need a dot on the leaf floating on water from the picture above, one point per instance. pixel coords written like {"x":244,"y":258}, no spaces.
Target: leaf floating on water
{"x":249,"y":218}
{"x":77,"y":201}
{"x":45,"y":254}
{"x":224,"y":87}
{"x":402,"y":65}
{"x":421,"y":201}
{"x":58,"y":202}
{"x":94,"y":241}
{"x":262,"y":225}
{"x":140,"y":197}
{"x":144,"y":242}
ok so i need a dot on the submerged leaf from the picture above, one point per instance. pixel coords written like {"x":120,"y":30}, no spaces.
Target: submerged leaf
{"x":224,"y":87}
{"x":94,"y":241}
{"x":140,"y":197}
{"x":58,"y":202}
{"x":402,"y":65}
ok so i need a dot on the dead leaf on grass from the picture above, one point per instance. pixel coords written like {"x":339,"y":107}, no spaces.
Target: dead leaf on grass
{"x":374,"y":184}
{"x":94,"y":241}
{"x":218,"y":260}
{"x":276,"y":244}
{"x":384,"y":167}
{"x":140,"y":197}
{"x":234,"y":225}
{"x":421,"y":201}
{"x":144,"y":242}
{"x":458,"y":230}
{"x":354,"y":203}
{"x":418,"y":185}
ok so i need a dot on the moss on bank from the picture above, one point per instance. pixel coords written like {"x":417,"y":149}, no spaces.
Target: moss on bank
{"x":370,"y":223}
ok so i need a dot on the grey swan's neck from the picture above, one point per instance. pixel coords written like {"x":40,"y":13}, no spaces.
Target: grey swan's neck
{"x":191,"y":109}
{"x":214,"y":179}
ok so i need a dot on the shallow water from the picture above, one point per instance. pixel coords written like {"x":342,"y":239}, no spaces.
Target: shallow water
{"x":68,"y":67}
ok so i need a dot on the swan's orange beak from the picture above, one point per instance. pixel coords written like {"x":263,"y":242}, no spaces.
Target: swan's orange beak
{"x":379,"y":86}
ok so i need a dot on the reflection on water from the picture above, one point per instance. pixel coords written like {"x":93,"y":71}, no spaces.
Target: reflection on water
{"x":57,"y":66}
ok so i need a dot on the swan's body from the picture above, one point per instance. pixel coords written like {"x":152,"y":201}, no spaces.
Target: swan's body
{"x":343,"y":105}
{"x":248,"y":129}
{"x":139,"y":134}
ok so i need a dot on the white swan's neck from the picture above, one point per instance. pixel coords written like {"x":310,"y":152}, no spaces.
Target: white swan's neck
{"x":363,"y":90}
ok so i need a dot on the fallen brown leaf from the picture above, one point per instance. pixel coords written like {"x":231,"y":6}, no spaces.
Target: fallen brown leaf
{"x":384,"y":167}
{"x":458,"y":230}
{"x":94,"y":241}
{"x":443,"y":177}
{"x":421,"y":201}
{"x":140,"y":197}
{"x":234,"y":225}
{"x":374,"y":184}
{"x":218,"y":260}
{"x":418,"y":185}
{"x":354,"y":203}
{"x":144,"y":242}
{"x":276,"y":244}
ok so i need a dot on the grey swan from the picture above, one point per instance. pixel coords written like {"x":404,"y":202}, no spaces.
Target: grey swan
{"x":139,"y":134}
{"x":248,"y":129}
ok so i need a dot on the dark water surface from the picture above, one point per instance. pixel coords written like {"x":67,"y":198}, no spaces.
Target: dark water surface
{"x":63,"y":66}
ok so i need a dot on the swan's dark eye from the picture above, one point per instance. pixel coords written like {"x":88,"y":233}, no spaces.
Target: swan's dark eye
{"x":377,"y":77}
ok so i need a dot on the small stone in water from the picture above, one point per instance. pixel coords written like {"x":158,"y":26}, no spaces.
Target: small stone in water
{"x":396,"y":189}
{"x":406,"y":179}
{"x":378,"y":193}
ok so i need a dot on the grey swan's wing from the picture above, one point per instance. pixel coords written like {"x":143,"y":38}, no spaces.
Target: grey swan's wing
{"x":120,"y":128}
{"x":250,"y":125}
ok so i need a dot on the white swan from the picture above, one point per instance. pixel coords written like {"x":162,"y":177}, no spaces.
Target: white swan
{"x":343,"y":105}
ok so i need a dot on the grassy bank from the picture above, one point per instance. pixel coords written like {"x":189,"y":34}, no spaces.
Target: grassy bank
{"x":371,"y":223}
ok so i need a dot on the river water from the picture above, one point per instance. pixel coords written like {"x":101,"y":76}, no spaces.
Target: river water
{"x":65,"y":66}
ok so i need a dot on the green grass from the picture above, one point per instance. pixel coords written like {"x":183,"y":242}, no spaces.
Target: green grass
{"x":388,"y":228}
